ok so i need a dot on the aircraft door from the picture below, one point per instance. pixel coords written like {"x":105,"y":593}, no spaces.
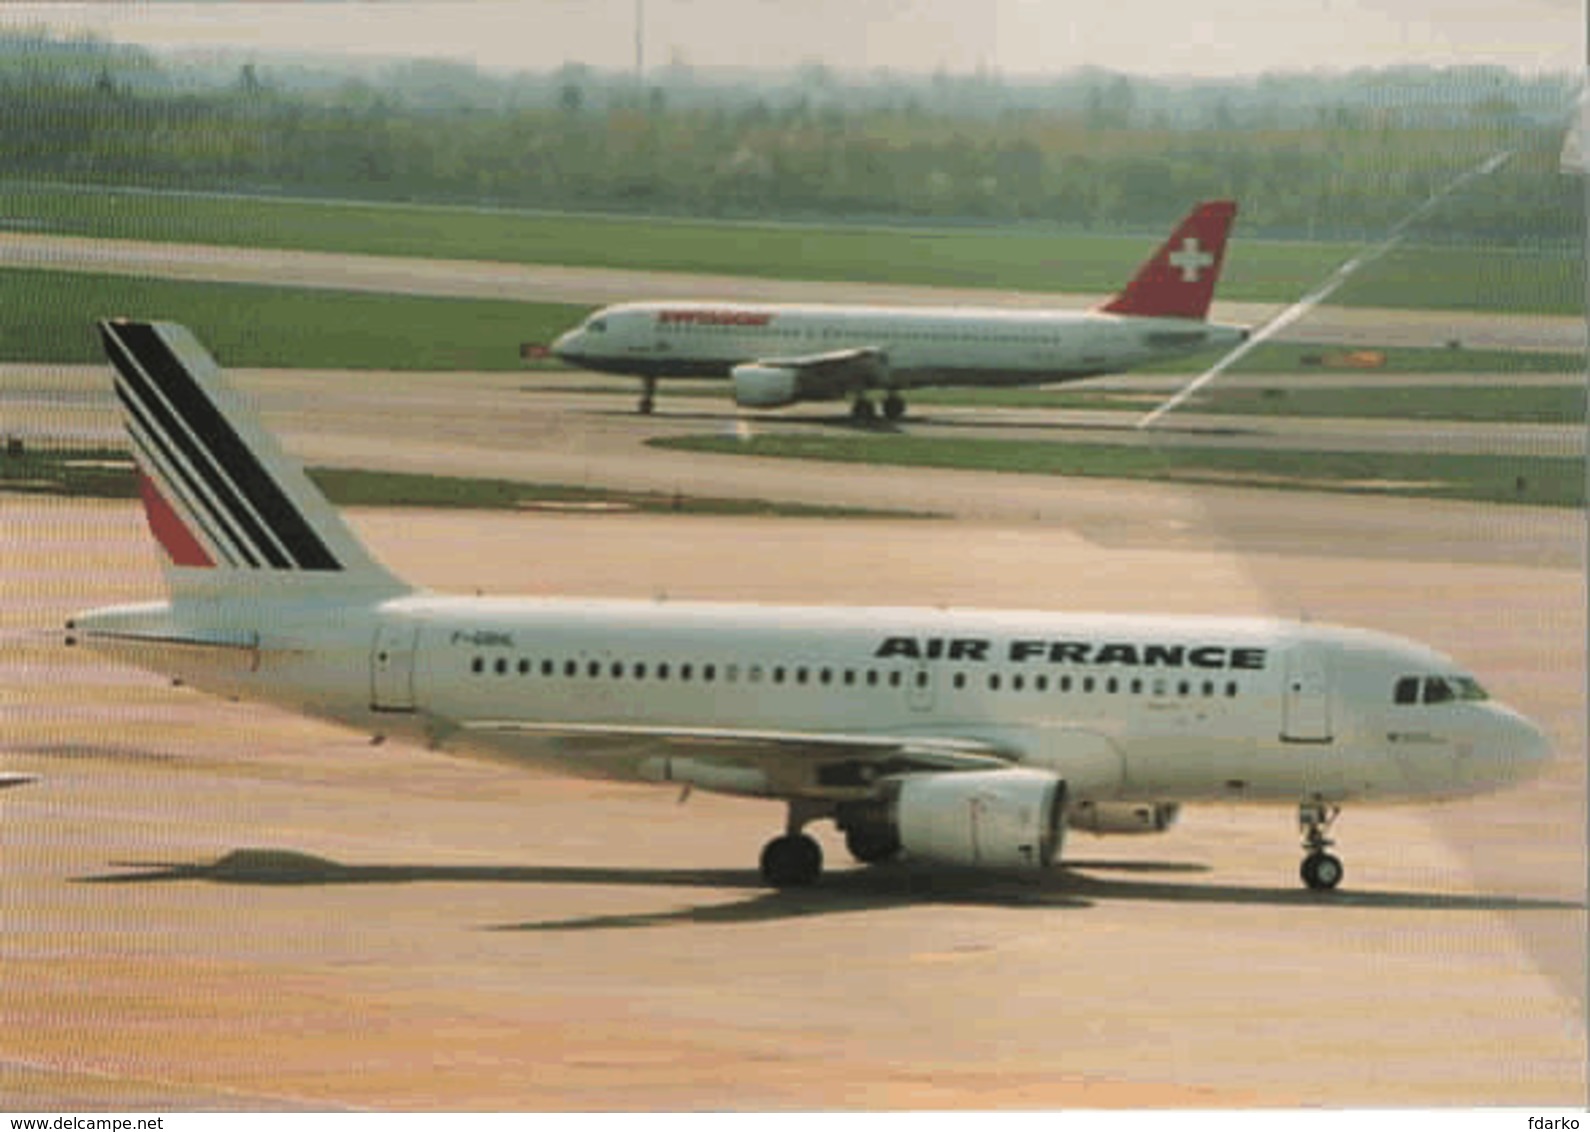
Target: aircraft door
{"x":392,"y":666}
{"x":1305,"y":698}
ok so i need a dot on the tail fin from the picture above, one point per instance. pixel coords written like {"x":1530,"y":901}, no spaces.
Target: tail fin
{"x":230,"y":510}
{"x":1178,"y":281}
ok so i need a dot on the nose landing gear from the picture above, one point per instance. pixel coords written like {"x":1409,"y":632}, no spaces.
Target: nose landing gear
{"x":1321,"y":871}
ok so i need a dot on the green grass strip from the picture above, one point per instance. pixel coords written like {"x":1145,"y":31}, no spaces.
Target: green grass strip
{"x":107,"y":473}
{"x":1550,"y":481}
{"x":1527,"y":404}
{"x":1014,"y":257}
{"x":50,"y":317}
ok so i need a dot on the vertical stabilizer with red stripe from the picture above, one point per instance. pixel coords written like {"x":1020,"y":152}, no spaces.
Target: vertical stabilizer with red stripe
{"x":229,"y":508}
{"x":1178,"y":281}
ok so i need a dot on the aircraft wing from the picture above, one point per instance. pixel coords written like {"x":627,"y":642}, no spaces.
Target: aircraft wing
{"x":837,"y":371}
{"x":782,"y":763}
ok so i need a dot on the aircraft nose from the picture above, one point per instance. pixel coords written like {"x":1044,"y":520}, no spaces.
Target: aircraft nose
{"x":566,"y":345}
{"x":1516,"y":752}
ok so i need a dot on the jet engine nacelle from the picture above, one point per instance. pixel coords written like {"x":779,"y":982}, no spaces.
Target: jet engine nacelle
{"x":765,"y":387}
{"x":1123,"y":817}
{"x":1000,"y":819}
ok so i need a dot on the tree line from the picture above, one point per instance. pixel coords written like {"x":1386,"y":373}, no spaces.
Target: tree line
{"x":1308,"y":156}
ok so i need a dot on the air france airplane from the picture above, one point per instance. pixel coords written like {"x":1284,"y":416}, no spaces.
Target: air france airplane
{"x":779,"y":355}
{"x":961,"y":737}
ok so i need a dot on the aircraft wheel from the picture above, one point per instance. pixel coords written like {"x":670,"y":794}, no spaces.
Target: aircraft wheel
{"x":647,"y":404}
{"x":862,"y":411}
{"x":894,"y":406}
{"x":792,"y":861}
{"x":1322,"y":871}
{"x":870,"y":846}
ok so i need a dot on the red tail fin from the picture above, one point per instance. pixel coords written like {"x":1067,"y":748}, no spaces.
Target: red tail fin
{"x":1179,"y":279}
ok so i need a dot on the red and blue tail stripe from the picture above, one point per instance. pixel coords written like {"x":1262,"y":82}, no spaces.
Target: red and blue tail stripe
{"x":214,"y":486}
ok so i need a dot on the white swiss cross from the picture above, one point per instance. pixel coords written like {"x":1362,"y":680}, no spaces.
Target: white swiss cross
{"x":1192,"y":259}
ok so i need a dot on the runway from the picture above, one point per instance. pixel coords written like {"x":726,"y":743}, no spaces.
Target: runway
{"x":213,"y":905}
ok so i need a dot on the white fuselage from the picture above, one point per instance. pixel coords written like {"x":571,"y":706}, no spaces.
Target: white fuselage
{"x":918,"y":346}
{"x":1123,"y":707}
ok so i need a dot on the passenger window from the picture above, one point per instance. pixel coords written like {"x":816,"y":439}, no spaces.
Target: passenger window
{"x":640,"y":671}
{"x":709,"y":672}
{"x":1231,"y":688}
{"x":921,"y":679}
{"x":960,"y":680}
{"x":501,"y":666}
{"x":1016,"y":682}
{"x":778,"y":675}
{"x":993,"y":681}
{"x":617,"y":670}
{"x":548,"y":668}
{"x":662,"y":671}
{"x":685,"y":671}
{"x":570,"y":668}
{"x":477,"y":665}
{"x":1407,"y":690}
{"x":1040,"y":683}
{"x":524,"y":667}
{"x":894,"y":678}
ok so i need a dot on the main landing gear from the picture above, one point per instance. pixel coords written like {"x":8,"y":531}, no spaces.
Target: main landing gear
{"x":1321,"y":871}
{"x":648,"y":395}
{"x":794,"y":860}
{"x":864,"y":412}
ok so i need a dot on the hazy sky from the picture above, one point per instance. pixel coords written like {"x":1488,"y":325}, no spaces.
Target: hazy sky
{"x":1017,"y":37}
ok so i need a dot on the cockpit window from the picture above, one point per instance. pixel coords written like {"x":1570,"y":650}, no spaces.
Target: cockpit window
{"x":597,"y":326}
{"x":1437,"y":689}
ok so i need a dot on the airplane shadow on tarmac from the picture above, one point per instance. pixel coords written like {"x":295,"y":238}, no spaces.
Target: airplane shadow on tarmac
{"x":1072,"y":886}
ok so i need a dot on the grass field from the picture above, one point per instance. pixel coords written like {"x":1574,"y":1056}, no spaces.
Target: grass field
{"x":50,"y":315}
{"x":50,"y":318}
{"x":1020,"y":258}
{"x":107,"y":473}
{"x":1499,"y":404}
{"x":1512,"y":479}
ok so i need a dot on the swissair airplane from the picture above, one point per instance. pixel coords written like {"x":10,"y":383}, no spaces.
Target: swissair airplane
{"x":778,"y":355}
{"x":961,"y":737}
